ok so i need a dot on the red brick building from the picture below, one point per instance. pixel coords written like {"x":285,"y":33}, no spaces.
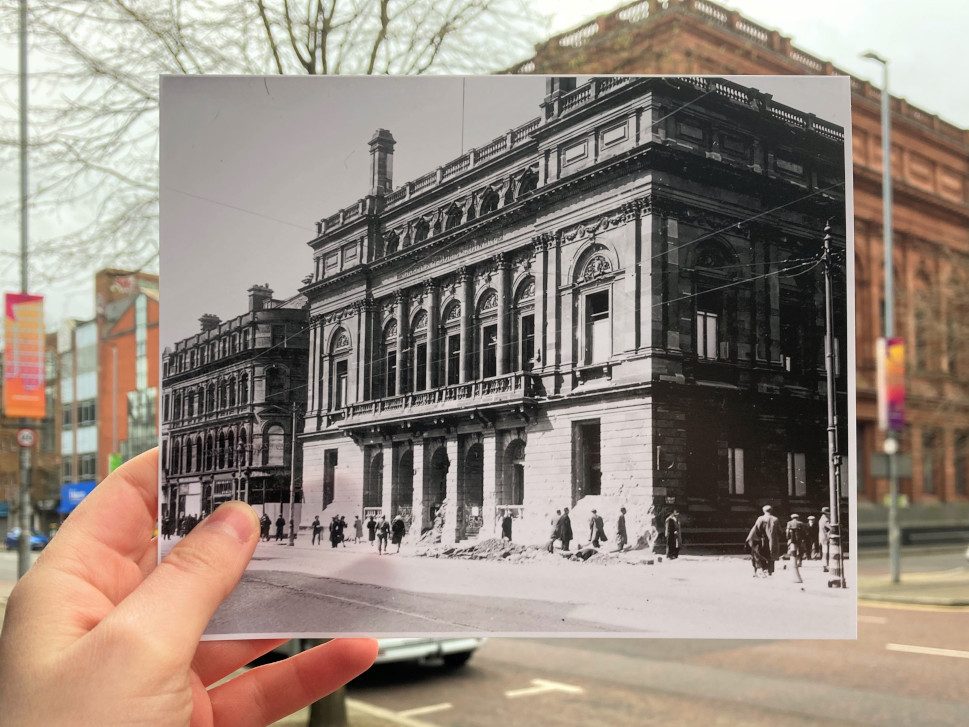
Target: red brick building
{"x":930,"y":164}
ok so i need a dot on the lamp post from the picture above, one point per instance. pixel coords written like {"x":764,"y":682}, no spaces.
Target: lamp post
{"x":891,"y":440}
{"x":292,"y":475}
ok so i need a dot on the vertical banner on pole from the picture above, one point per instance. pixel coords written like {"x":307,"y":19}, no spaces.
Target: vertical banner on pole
{"x":23,"y":370}
{"x":890,"y":360}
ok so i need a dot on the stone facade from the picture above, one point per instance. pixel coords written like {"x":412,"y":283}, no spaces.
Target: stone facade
{"x":229,"y":396}
{"x":606,"y":307}
{"x":931,"y":202}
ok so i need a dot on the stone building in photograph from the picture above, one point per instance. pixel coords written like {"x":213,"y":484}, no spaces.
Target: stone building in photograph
{"x":930,"y":169}
{"x":615,"y":304}
{"x":229,"y":394}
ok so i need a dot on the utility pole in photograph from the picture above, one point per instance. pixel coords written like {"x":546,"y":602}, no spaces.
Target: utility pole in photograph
{"x":891,"y":444}
{"x":837,"y":579}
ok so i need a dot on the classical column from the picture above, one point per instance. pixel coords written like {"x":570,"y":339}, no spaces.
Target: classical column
{"x":538,"y":272}
{"x":363,"y":350}
{"x":388,"y":471}
{"x":433,"y":333}
{"x":452,"y":485}
{"x":417,"y":504}
{"x":401,"y":311}
{"x":466,"y":281}
{"x":324,"y":382}
{"x":312,"y":373}
{"x":489,"y":478}
{"x":504,"y":347}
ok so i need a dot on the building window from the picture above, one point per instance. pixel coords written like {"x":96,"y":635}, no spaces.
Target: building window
{"x":598,"y":331}
{"x":452,"y":343}
{"x":329,"y":476}
{"x":388,"y":368}
{"x":486,"y":343}
{"x":275,"y":446}
{"x":707,"y":338}
{"x":735,"y":471}
{"x":244,"y":389}
{"x":525,"y":325}
{"x":87,"y":466}
{"x":339,"y":396}
{"x":931,"y":463}
{"x":419,"y":334}
{"x":586,"y":459}
{"x":278,"y":336}
{"x":275,"y":384}
{"x":67,"y":417}
{"x":796,"y":474}
{"x":962,"y":464}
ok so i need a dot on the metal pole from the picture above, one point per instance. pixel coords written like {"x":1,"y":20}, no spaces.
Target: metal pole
{"x":23,"y":546}
{"x":292,"y":479}
{"x":891,"y":441}
{"x":837,"y":578}
{"x":114,"y":399}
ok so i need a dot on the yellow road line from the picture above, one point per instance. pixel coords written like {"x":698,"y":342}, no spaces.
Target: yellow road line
{"x":429,"y":709}
{"x":928,"y":650}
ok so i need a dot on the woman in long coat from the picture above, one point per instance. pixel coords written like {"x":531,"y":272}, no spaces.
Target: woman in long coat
{"x":397,"y":531}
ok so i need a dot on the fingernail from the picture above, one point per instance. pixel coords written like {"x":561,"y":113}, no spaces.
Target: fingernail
{"x":236,"y":519}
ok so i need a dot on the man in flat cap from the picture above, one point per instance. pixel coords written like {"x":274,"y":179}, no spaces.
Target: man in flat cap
{"x":796,"y":543}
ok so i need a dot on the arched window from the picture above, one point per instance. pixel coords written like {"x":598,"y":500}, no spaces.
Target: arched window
{"x":175,"y":456}
{"x":274,"y":449}
{"x":391,"y":243}
{"x":421,"y":230}
{"x":340,"y":350}
{"x":190,"y":403}
{"x":486,"y":335}
{"x":388,"y":359}
{"x":188,"y":456}
{"x":230,"y":449}
{"x":209,"y":452}
{"x":593,"y":285}
{"x":453,"y":216}
{"x":245,"y":456}
{"x":799,"y":344}
{"x":513,"y":475}
{"x":418,"y":348}
{"x":232,"y":391}
{"x":527,"y":182}
{"x":244,"y":389}
{"x":210,"y":398}
{"x":524,"y":334}
{"x":198,"y":453}
{"x":489,"y":202}
{"x":451,"y":321}
{"x":177,"y":409}
{"x":221,"y":450}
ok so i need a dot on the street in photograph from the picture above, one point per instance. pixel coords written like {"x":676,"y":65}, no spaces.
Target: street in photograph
{"x":571,"y":357}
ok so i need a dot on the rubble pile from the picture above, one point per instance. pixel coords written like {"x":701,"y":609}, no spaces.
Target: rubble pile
{"x":490,"y":549}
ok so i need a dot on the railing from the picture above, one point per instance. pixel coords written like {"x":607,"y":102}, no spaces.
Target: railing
{"x":496,"y":390}
{"x":523,"y":131}
{"x":456,"y":166}
{"x":375,"y":511}
{"x":396,"y":196}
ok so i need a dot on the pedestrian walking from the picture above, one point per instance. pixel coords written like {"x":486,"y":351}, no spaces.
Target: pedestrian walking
{"x":813,"y":548}
{"x":764,"y":540}
{"x":597,"y":530}
{"x":371,"y":530}
{"x":796,"y":543}
{"x":555,"y":535}
{"x":265,"y":524}
{"x":824,"y":537}
{"x":506,"y":526}
{"x":383,"y":531}
{"x":397,"y":531}
{"x":317,"y":531}
{"x":621,"y":537}
{"x":343,"y":530}
{"x":334,"y":529}
{"x":674,"y":535}
{"x":357,"y":529}
{"x":280,"y":525}
{"x":565,"y":529}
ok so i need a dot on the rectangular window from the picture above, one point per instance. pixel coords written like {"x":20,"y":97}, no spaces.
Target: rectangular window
{"x":278,"y":335}
{"x":735,"y":470}
{"x":527,"y":344}
{"x":586,"y":459}
{"x":340,"y":385}
{"x":962,"y":464}
{"x":707,"y":338}
{"x":598,"y":331}
{"x":87,"y":466}
{"x":67,"y":417}
{"x":453,"y":359}
{"x":796,"y":474}
{"x":489,"y":351}
{"x":67,"y":469}
{"x":329,"y":475}
{"x":420,"y":366}
{"x":390,"y":369}
{"x":931,"y":470}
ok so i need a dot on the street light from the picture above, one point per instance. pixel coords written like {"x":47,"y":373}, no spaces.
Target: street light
{"x":891,"y":442}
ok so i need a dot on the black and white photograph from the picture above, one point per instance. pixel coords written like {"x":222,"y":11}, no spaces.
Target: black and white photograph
{"x":508,"y":355}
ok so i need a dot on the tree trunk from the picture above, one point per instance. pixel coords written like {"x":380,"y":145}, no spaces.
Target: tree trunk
{"x":331,"y":711}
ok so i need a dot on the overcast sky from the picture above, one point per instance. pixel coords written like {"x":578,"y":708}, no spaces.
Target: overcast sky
{"x":924,"y":42}
{"x":249,"y":164}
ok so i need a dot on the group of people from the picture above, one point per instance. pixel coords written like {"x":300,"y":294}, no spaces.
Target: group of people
{"x":266,"y":526}
{"x":180,"y":526}
{"x":562,"y":530}
{"x":804,"y":540}
{"x":379,"y":531}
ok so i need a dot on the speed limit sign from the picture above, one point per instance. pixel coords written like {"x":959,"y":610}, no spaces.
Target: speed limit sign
{"x":25,"y":437}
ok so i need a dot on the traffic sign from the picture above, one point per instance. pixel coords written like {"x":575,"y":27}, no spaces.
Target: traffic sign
{"x":25,"y":437}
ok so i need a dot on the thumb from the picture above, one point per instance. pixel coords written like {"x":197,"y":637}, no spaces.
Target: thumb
{"x":177,"y":599}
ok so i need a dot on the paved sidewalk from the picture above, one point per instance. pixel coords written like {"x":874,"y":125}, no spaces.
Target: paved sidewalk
{"x":938,"y":588}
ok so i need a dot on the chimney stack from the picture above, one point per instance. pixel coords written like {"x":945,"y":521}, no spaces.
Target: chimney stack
{"x":209,"y":322}
{"x":259,"y":295}
{"x":381,"y":162}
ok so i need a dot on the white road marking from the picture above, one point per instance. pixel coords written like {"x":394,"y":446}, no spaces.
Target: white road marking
{"x":929,"y":650}
{"x":429,"y":709}
{"x":872,"y":619}
{"x":385,"y":714}
{"x":542,"y":686}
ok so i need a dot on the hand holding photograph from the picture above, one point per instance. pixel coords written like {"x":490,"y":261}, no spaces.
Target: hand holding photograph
{"x":565,"y":356}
